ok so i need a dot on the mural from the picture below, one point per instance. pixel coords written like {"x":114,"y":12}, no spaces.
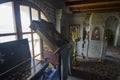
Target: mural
{"x":96,"y":33}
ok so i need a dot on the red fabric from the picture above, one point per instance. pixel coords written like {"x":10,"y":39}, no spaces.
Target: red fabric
{"x":51,"y":58}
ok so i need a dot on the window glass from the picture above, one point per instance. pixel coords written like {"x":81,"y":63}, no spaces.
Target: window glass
{"x":6,"y":18}
{"x":28,"y":36}
{"x":36,"y":38}
{"x":25,"y":18}
{"x":43,"y":16}
{"x":35,"y":14}
{"x":38,"y":57}
{"x":7,"y":38}
{"x":36,"y":44}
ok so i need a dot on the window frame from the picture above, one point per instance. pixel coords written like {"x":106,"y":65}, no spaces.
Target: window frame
{"x":17,"y":21}
{"x":3,"y":1}
{"x":13,"y":33}
{"x":28,"y":4}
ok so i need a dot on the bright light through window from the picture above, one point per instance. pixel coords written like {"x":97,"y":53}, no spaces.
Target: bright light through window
{"x":33,"y":38}
{"x":43,"y":16}
{"x":7,"y":38}
{"x":8,"y":27}
{"x":28,"y":36}
{"x":6,"y":18}
{"x":36,"y":44}
{"x":25,"y":18}
{"x":35,"y":14}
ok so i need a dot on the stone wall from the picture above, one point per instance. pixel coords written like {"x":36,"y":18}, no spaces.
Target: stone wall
{"x":48,"y":7}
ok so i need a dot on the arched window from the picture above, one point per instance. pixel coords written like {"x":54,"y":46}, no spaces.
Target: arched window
{"x":24,"y":12}
{"x":27,"y":14}
{"x":43,"y":16}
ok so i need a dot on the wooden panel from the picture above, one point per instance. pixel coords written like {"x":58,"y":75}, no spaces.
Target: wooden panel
{"x":94,"y":5}
{"x":97,"y":6}
{"x":73,"y":0}
{"x":96,"y":10}
{"x":69,"y":3}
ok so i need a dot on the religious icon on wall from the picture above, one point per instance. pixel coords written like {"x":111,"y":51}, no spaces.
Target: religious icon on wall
{"x":96,"y":34}
{"x":75,"y":31}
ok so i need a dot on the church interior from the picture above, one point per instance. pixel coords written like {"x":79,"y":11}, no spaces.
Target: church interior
{"x":59,"y":39}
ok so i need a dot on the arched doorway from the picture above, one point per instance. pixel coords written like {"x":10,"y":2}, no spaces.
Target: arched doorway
{"x":110,"y":29}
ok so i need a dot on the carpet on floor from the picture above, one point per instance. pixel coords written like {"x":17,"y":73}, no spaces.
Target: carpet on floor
{"x":94,"y":70}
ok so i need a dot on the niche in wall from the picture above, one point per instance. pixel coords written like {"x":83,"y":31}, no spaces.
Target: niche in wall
{"x":111,"y":29}
{"x":110,"y":36}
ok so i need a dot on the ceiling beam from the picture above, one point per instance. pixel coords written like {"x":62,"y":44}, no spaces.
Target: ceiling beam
{"x":89,"y":4}
{"x":72,"y":0}
{"x":92,"y":7}
{"x":110,"y":9}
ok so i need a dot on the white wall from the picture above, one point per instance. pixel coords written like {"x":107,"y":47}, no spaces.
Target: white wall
{"x":99,"y":19}
{"x":95,"y":19}
{"x":75,"y":19}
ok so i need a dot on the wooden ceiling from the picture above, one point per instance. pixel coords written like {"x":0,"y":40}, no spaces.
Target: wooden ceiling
{"x":88,"y":6}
